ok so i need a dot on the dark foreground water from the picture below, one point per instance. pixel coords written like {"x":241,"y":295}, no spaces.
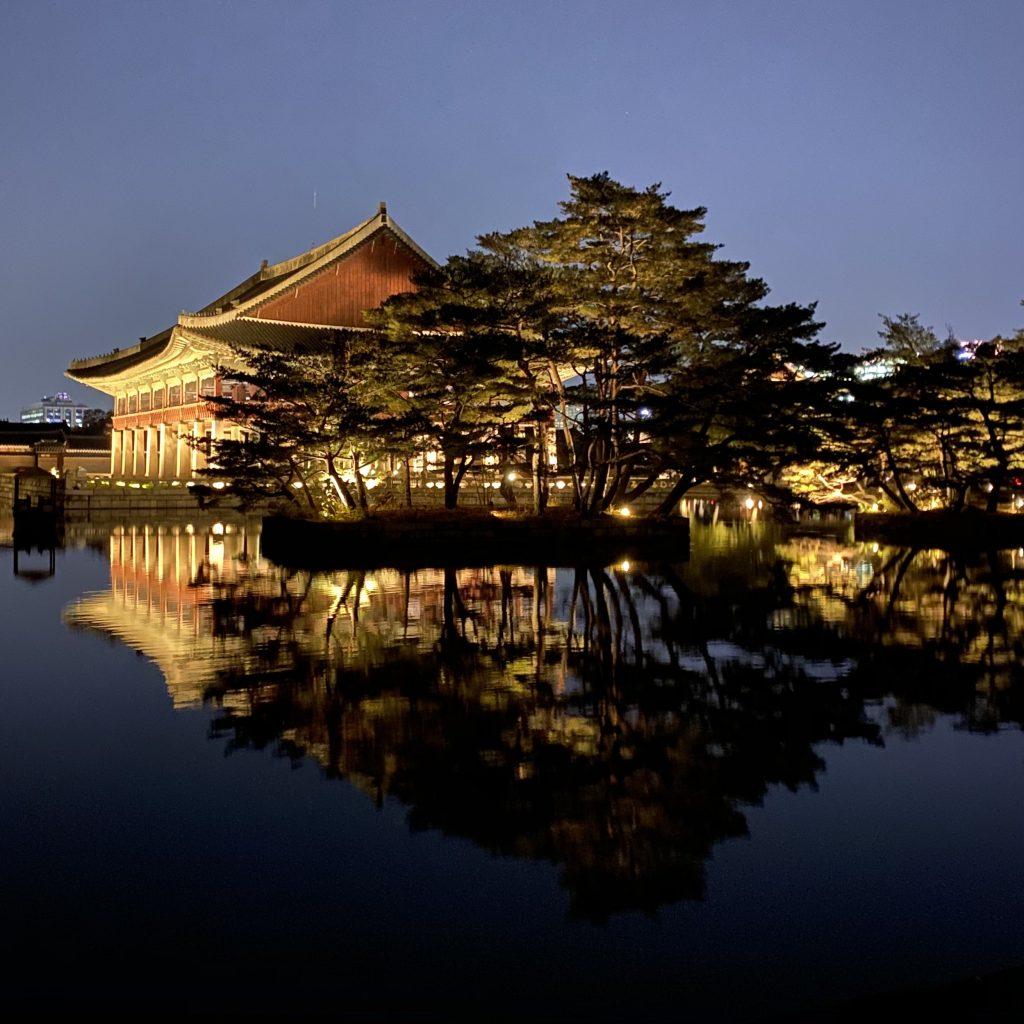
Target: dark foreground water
{"x":780,"y":773}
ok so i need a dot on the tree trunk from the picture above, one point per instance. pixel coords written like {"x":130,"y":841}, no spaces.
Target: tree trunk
{"x":992,"y":504}
{"x":451,"y":487}
{"x":361,"y":495}
{"x":540,"y":476}
{"x":675,"y":495}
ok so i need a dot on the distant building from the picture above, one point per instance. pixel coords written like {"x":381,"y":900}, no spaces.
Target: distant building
{"x":61,"y":408}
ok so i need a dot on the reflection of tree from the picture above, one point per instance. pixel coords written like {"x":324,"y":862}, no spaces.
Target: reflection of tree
{"x":615,"y":721}
{"x":596,"y":742}
{"x":933,"y":629}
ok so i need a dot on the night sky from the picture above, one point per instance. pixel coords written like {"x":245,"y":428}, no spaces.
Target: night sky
{"x":866,"y":155}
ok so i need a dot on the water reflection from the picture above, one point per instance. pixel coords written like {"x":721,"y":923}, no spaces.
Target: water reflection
{"x":615,"y":721}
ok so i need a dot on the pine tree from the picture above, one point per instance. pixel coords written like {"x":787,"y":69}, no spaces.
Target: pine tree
{"x":446,"y":369}
{"x":668,"y":364}
{"x":303,"y":426}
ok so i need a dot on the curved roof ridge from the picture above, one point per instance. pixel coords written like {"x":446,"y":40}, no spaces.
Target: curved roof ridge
{"x":269,"y":271}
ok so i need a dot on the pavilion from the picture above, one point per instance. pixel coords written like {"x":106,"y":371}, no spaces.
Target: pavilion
{"x":161,"y":387}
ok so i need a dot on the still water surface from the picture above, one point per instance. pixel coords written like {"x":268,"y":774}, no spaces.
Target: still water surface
{"x":781,"y":772}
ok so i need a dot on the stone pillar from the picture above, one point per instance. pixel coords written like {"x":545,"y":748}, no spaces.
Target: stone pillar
{"x":215,"y":433}
{"x":197,"y":461}
{"x":161,"y":452}
{"x":150,"y":436}
{"x":180,"y":452}
{"x":116,"y":447}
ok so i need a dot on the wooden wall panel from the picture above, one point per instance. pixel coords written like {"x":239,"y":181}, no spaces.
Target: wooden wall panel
{"x":379,"y":268}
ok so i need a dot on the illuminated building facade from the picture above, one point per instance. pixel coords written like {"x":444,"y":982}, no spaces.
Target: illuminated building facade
{"x":161,"y":386}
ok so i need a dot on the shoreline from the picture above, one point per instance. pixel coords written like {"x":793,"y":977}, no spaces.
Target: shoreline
{"x":970,"y":529}
{"x":457,"y":539}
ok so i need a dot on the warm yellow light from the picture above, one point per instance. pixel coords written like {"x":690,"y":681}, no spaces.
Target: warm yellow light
{"x":625,"y":511}
{"x":560,"y":484}
{"x":624,"y":565}
{"x":749,"y":503}
{"x":135,"y":485}
{"x":911,"y":486}
{"x":298,"y":485}
{"x":512,"y":475}
{"x":218,"y":529}
{"x":219,"y":485}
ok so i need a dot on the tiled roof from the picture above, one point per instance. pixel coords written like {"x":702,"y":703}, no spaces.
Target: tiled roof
{"x":225,"y":318}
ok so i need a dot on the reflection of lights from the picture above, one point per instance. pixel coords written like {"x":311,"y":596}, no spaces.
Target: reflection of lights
{"x":748,"y":504}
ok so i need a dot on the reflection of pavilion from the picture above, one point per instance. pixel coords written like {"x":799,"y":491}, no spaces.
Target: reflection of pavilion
{"x":161,"y":581}
{"x":171,"y":588}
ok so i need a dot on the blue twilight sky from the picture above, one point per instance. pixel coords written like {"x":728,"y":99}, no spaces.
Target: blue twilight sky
{"x":867,"y":155}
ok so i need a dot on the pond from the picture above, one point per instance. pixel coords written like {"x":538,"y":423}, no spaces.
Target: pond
{"x":779,"y":772}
